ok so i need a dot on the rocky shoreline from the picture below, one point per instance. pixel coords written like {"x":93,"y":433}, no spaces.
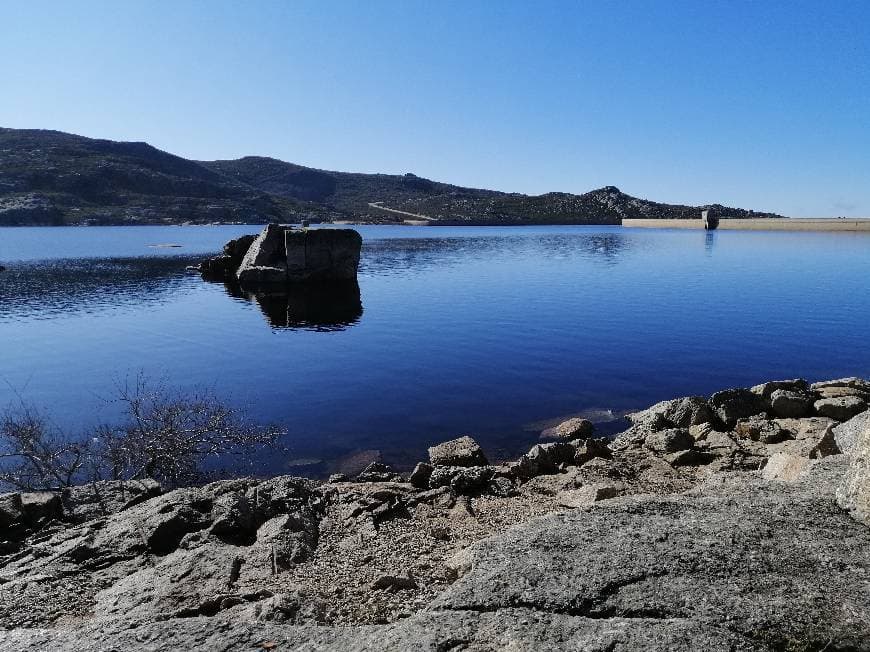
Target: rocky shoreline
{"x":735,"y":522}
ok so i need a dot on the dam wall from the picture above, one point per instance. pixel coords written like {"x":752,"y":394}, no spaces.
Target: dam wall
{"x":767,"y":224}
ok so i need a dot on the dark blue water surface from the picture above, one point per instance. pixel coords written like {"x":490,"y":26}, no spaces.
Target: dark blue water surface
{"x":487,"y":331}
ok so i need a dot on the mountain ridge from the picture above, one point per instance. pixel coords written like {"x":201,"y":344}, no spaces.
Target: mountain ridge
{"x":52,"y":177}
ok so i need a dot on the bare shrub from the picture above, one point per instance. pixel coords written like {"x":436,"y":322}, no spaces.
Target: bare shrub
{"x":170,"y":437}
{"x":35,"y":455}
{"x":177,"y":439}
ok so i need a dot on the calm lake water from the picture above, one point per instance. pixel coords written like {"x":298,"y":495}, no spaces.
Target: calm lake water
{"x":485,"y":331}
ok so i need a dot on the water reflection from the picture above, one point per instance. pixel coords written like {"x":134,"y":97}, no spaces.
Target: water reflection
{"x":53,"y":288}
{"x":312,"y":306}
{"x":709,"y":242}
{"x":399,"y":255}
{"x":50,"y":288}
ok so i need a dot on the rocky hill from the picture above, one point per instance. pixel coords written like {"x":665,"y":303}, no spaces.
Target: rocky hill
{"x":50,"y":177}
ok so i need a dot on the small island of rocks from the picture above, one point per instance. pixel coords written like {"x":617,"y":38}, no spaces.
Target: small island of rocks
{"x":282,"y":255}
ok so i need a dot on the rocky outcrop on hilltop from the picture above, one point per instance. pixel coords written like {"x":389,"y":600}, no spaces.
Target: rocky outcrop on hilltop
{"x":710,"y":522}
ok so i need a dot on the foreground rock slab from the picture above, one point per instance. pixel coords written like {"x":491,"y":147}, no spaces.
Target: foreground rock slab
{"x":854,"y":492}
{"x":735,"y":564}
{"x":774,"y":566}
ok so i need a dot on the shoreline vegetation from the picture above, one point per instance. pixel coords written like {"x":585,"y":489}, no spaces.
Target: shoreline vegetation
{"x":739,"y":521}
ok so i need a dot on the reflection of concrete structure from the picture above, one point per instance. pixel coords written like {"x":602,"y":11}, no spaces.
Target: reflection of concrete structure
{"x":709,"y":221}
{"x":325,"y":306}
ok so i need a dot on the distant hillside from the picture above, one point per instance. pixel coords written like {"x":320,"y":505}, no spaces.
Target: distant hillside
{"x":49,"y":177}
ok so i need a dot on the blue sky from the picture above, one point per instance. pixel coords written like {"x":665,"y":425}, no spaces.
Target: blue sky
{"x":764,"y":105}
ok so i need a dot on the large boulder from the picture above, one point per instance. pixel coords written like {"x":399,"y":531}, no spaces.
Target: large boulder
{"x":184,"y":582}
{"x":669,"y":441}
{"x":785,"y":467}
{"x":462,"y":479}
{"x":810,"y":437}
{"x":97,"y":499}
{"x":575,"y":428}
{"x":766,"y":431}
{"x":676,"y":413}
{"x":225,"y":266}
{"x":734,"y":404}
{"x":11,"y":510}
{"x":854,"y":492}
{"x":419,"y":476}
{"x":547,"y":458}
{"x":219,"y":268}
{"x":378,"y":472}
{"x":40,"y":506}
{"x":846,"y":434}
{"x":265,"y":262}
{"x":858,"y":384}
{"x":281,"y":255}
{"x":791,"y":404}
{"x":841,"y":408}
{"x":322,"y":254}
{"x":766,"y":389}
{"x":463,"y":451}
{"x":236,"y":249}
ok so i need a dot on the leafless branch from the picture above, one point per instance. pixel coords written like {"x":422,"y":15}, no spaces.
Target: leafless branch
{"x":166,"y":435}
